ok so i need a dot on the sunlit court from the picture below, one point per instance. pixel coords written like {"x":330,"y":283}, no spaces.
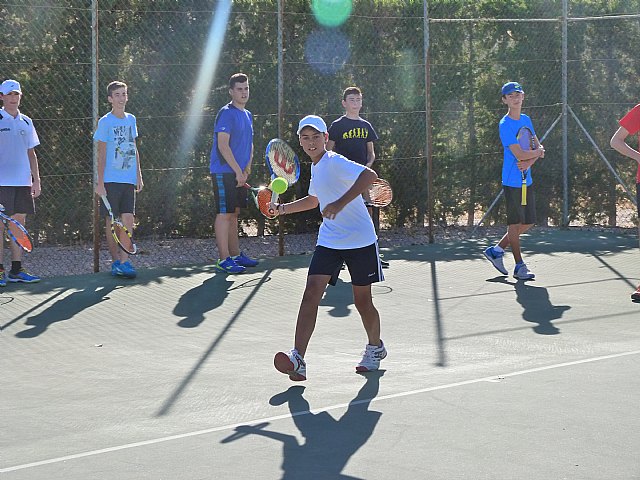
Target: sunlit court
{"x":501,"y":363}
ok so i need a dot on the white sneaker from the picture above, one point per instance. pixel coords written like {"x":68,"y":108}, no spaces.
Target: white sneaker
{"x":521,"y":272}
{"x":291,"y":364}
{"x":371,"y":358}
{"x":496,"y":258}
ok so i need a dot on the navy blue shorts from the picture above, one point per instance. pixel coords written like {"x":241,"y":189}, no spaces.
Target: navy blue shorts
{"x":363,"y":264}
{"x":122,"y":198}
{"x":226,"y":193}
{"x":516,"y":212}
{"x":17,"y":200}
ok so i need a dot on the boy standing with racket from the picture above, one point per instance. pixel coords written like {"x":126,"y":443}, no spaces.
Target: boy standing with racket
{"x":629,"y":125}
{"x":19,"y":174}
{"x":346,"y":235}
{"x":352,"y":136}
{"x":119,"y":176}
{"x":520,"y":218}
{"x":230,"y":166}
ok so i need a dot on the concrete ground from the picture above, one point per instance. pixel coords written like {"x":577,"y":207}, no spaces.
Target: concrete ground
{"x":170,"y":376}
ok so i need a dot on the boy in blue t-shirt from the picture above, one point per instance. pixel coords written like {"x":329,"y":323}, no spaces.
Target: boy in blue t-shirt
{"x":119,"y":175}
{"x":230,"y":166}
{"x":520,"y":218}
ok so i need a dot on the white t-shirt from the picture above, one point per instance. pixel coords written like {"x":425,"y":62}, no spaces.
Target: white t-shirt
{"x":17,"y":136}
{"x":352,"y":227}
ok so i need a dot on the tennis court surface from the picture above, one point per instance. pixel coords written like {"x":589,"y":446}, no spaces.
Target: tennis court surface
{"x":171,"y":377}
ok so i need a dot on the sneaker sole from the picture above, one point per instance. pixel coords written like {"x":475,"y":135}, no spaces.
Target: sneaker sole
{"x":284,"y":365}
{"x":524,"y":278}
{"x":19,"y":280}
{"x":222,"y":270}
{"x":503,"y":272}
{"x":363,"y":369}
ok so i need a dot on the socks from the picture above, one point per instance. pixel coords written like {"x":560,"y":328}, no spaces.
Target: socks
{"x":15,"y":267}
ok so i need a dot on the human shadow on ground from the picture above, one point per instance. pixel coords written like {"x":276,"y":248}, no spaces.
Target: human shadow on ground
{"x":536,"y":305}
{"x":66,"y":297}
{"x":329,"y":443}
{"x":207,"y":296}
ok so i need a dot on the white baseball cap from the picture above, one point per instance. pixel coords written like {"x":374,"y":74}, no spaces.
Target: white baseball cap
{"x":9,"y":86}
{"x":313,"y":121}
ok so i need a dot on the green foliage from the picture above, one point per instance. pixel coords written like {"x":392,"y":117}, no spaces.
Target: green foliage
{"x":157,"y":47}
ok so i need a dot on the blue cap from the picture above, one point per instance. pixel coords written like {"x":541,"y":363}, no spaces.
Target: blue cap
{"x":511,"y":87}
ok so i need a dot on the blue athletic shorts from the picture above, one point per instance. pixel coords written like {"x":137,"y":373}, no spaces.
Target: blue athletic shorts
{"x":226,"y":193}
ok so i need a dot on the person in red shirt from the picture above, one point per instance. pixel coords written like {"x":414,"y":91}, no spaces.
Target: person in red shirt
{"x":630,"y":125}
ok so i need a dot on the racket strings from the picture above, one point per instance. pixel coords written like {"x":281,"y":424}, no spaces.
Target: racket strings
{"x":264,"y":198}
{"x":123,"y":237}
{"x":16,"y":232}
{"x":283,"y":161}
{"x":379,"y":193}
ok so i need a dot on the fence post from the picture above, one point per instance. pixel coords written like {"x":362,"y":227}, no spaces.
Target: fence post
{"x":97,"y":230}
{"x":565,"y":157}
{"x":280,"y":106}
{"x":427,"y":92}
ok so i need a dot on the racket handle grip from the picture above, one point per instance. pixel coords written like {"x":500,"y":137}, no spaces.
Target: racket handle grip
{"x":274,"y":197}
{"x":524,"y":194}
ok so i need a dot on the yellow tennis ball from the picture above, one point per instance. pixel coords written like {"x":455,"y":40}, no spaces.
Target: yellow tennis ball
{"x":279,"y":185}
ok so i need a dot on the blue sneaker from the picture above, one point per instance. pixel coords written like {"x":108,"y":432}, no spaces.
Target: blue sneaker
{"x":127,"y":270}
{"x":521,"y":272}
{"x":496,"y":259}
{"x":244,"y":261}
{"x":3,"y":278}
{"x":228,"y":265}
{"x":23,"y":276}
{"x":115,"y":268}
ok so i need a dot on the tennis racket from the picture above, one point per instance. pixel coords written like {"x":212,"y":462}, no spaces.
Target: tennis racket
{"x":526,"y":141}
{"x":121,"y":234}
{"x":283,"y":162}
{"x":379,"y":194}
{"x":16,"y":231}
{"x":261,"y":197}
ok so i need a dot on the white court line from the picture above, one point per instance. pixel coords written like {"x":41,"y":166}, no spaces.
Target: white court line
{"x":325,"y":409}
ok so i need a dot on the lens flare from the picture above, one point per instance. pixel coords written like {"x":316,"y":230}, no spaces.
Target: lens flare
{"x":331,"y":13}
{"x":327,"y":51}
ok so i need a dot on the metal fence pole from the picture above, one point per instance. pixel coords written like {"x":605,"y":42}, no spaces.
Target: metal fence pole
{"x":97,"y":230}
{"x":427,"y":91}
{"x":565,"y":156}
{"x":280,"y":105}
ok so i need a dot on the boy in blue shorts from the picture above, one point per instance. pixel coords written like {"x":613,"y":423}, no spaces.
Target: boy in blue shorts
{"x":230,"y":166}
{"x":520,"y":218}
{"x":19,"y":174}
{"x":119,"y":174}
{"x":346,"y":235}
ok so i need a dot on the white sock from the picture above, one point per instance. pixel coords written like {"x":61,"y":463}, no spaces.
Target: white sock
{"x":498,"y":249}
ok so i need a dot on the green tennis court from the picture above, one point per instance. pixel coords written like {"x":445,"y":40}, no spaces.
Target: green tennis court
{"x":171,"y":376}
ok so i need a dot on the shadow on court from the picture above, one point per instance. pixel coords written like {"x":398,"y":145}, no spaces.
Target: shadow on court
{"x":536,"y":305}
{"x":184,"y":387}
{"x":328,"y":442}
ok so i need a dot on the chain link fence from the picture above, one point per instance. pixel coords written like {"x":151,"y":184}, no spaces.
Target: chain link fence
{"x":437,"y":63}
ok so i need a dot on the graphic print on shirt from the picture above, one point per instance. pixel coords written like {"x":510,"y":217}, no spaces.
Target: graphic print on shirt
{"x":125,"y":152}
{"x":356,"y":133}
